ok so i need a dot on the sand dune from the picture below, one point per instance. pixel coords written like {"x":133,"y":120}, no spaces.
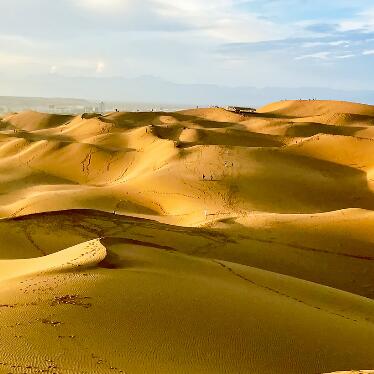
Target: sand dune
{"x":199,"y":241}
{"x":302,"y":108}
{"x":30,"y":121}
{"x":82,"y":255}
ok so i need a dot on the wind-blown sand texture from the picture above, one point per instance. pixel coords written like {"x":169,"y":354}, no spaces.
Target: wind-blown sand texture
{"x":200,"y":241}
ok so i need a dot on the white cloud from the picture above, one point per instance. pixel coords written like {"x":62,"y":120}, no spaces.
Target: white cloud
{"x":368,"y":52}
{"x":325,"y":56}
{"x":11,"y":59}
{"x":17,"y":39}
{"x":187,"y":40}
{"x":220,"y":19}
{"x":22,"y":62}
{"x":339,"y":42}
{"x":53,"y":69}
{"x":345,"y":56}
{"x":105,"y":6}
{"x":363,"y":21}
{"x":317,"y":56}
{"x":100,"y":66}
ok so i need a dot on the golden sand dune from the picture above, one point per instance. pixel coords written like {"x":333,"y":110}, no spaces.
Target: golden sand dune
{"x":301,"y":108}
{"x":82,"y":255}
{"x":199,"y":241}
{"x":30,"y":120}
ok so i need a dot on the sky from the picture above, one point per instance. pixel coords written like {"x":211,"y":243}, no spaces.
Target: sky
{"x":260,"y":43}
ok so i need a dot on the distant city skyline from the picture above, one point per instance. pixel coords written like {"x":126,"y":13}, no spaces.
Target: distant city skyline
{"x":267,"y":43}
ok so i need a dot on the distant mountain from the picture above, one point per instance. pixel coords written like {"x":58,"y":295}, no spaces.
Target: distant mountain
{"x":148,"y":89}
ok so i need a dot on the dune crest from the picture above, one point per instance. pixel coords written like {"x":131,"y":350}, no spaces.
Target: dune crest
{"x":81,"y":255}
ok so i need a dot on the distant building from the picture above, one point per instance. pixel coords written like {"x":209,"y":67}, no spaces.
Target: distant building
{"x":240,"y":110}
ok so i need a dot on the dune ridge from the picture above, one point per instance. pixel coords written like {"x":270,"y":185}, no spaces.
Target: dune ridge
{"x":183,"y":242}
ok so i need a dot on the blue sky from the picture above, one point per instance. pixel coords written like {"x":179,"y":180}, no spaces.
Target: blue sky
{"x":284,"y":43}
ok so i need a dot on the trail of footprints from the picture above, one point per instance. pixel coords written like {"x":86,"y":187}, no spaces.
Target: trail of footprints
{"x":280,"y":293}
{"x":32,"y":285}
{"x":48,"y":367}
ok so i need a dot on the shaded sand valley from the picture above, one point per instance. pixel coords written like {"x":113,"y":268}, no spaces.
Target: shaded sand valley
{"x":200,"y":241}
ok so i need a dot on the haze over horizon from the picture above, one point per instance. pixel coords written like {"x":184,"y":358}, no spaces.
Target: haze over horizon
{"x":229,"y":43}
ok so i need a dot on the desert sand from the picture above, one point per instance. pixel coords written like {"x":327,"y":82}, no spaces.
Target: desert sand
{"x":199,"y":241}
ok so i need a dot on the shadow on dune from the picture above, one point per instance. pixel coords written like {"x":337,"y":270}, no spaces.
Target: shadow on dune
{"x":35,"y":137}
{"x":274,"y":249}
{"x":285,"y":183}
{"x":167,"y":133}
{"x":270,"y":115}
{"x":308,"y":129}
{"x":31,"y":120}
{"x":205,"y":123}
{"x":115,"y":247}
{"x":231,"y":138}
{"x":131,"y":120}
